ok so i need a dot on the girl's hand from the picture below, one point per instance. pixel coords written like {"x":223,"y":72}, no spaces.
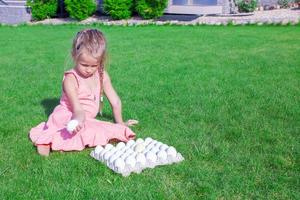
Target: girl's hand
{"x":80,"y":117}
{"x":78,"y":128}
{"x":131,"y":122}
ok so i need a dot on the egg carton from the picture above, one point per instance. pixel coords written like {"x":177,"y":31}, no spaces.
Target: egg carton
{"x":135,"y":156}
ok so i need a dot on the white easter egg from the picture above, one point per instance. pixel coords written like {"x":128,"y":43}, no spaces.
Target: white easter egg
{"x":139,"y":148}
{"x":120,"y":145}
{"x":108,"y":147}
{"x":171,"y":151}
{"x":125,"y":148}
{"x":123,"y":156}
{"x":140,"y":158}
{"x":113,"y":150}
{"x":98,"y":149}
{"x":130,"y":143}
{"x":133,"y":154}
{"x":162,"y":155}
{"x":154,"y":149}
{"x":72,"y":125}
{"x":107,"y":155}
{"x":148,"y":140}
{"x":139,"y":140}
{"x":129,"y":151}
{"x":163,"y":147}
{"x":119,"y":164}
{"x":150,"y":145}
{"x":158,"y":144}
{"x":118,"y":153}
{"x":151,"y":156}
{"x":112,"y":159}
{"x":153,"y":142}
{"x":101,"y":155}
{"x":122,"y":150}
{"x":130,"y":161}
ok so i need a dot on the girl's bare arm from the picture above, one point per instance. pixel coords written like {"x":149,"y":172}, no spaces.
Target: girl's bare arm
{"x":115,"y":101}
{"x":70,"y":87}
{"x":113,"y":98}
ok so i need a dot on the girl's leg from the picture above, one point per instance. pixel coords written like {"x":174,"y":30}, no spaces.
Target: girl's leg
{"x":43,"y":149}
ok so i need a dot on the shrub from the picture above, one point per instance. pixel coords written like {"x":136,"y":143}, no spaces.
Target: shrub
{"x":118,"y":9}
{"x":149,"y":9}
{"x":42,"y":9}
{"x":80,"y":9}
{"x":247,"y":5}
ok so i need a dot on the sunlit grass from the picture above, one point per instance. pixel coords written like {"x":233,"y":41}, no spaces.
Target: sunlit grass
{"x":226,"y":97}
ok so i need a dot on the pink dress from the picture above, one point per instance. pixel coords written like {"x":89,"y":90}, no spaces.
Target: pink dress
{"x":94,"y":133}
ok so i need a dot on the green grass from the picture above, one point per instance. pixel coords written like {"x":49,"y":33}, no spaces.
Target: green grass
{"x":226,"y":97}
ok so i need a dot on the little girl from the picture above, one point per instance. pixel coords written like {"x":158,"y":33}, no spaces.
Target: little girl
{"x":83,"y":87}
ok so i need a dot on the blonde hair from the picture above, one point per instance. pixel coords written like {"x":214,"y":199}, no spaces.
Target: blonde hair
{"x":90,"y":41}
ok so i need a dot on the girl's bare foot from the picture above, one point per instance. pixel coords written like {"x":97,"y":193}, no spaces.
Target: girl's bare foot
{"x":43,"y":149}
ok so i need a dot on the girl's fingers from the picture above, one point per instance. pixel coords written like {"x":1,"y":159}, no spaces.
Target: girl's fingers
{"x":77,"y":129}
{"x":132,"y":122}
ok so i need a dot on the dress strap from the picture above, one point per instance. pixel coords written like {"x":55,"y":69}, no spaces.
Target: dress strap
{"x":72,"y":71}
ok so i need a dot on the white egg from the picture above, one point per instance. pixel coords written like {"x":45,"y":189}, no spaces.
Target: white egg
{"x":126,"y":154}
{"x":101,"y":155}
{"x":145,"y":151}
{"x":123,"y":156}
{"x":139,"y":148}
{"x":107,"y":155}
{"x":151,"y":156}
{"x":140,"y":158}
{"x":154,"y":149}
{"x":139,"y":140}
{"x":171,"y":151}
{"x":108,"y":147}
{"x":72,"y":125}
{"x":129,"y":151}
{"x":130,"y":143}
{"x":133,"y":154}
{"x":153,"y":142}
{"x":112,"y":159}
{"x":98,"y":149}
{"x":158,"y":144}
{"x":148,"y":140}
{"x":125,"y":148}
{"x":130,"y":161}
{"x":163,"y":147}
{"x":118,"y":153}
{"x":162,"y":155}
{"x":119,"y":164}
{"x":120,"y":145}
{"x":113,"y":150}
{"x":150,"y":145}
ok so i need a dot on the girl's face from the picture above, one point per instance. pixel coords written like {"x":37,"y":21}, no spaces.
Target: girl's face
{"x":87,"y":65}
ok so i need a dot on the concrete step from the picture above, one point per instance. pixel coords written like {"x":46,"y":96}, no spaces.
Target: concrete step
{"x":13,"y":2}
{"x":14,"y":14}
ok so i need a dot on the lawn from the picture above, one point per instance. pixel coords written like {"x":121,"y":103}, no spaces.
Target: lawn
{"x":228,"y":98}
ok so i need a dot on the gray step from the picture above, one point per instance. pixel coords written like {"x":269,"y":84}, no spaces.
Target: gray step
{"x":13,"y":2}
{"x":14,"y":14}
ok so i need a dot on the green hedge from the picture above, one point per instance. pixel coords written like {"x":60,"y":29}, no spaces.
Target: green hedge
{"x":80,"y":9}
{"x":42,"y":9}
{"x":149,"y":9}
{"x":247,"y":5}
{"x":118,"y":9}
